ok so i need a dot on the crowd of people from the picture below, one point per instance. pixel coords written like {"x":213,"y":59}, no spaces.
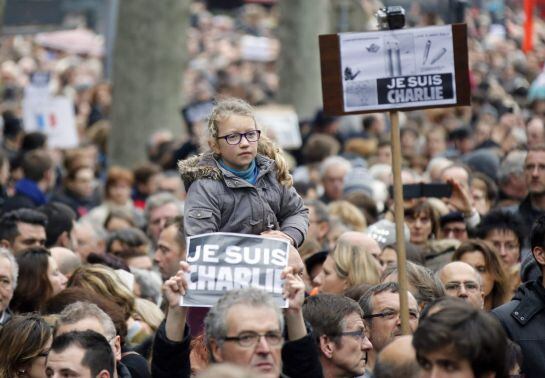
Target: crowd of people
{"x":93,"y":256}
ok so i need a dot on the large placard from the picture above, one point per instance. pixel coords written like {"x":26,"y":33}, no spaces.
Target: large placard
{"x":404,"y":69}
{"x":398,"y":68}
{"x":221,"y":262}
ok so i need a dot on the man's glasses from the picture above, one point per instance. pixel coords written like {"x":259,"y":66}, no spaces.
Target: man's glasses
{"x":235,"y":138}
{"x":457,"y":286}
{"x":250,"y":339}
{"x":359,"y":334}
{"x":391,"y":314}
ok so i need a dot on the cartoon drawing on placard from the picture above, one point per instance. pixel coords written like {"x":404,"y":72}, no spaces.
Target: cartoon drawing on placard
{"x":349,"y":75}
{"x":426,"y":51}
{"x":438,"y":56}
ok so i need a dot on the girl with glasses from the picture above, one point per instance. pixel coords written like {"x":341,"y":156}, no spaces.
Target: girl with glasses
{"x":243,"y":184}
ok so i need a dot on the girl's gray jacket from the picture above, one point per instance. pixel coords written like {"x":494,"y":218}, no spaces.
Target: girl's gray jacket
{"x":217,"y":200}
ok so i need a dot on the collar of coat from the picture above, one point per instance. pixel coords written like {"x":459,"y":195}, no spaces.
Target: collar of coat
{"x":205,"y":166}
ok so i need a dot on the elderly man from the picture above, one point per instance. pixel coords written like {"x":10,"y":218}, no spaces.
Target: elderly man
{"x":380,"y":305}
{"x":245,"y":327}
{"x":333,"y":171}
{"x":8,"y":280}
{"x":160,"y":208}
{"x":21,"y":229}
{"x":338,"y":325}
{"x":463,"y":281}
{"x":80,"y":354}
{"x":89,"y":240}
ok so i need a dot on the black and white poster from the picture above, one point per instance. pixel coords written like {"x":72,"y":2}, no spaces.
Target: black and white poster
{"x":398,"y":68}
{"x":221,"y":262}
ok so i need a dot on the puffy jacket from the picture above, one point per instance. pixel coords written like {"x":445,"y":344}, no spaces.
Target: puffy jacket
{"x":523,"y":318}
{"x":218,"y":200}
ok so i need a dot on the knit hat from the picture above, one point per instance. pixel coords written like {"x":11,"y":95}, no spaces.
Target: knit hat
{"x":484,"y":161}
{"x":384,"y":232}
{"x":358,"y":179}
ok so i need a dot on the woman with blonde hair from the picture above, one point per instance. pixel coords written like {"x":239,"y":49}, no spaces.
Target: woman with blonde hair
{"x":243,"y":185}
{"x":351,"y":263}
{"x":348,"y":214}
{"x":106,"y":282}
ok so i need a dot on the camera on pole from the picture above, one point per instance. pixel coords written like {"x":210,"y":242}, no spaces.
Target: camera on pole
{"x":391,"y":18}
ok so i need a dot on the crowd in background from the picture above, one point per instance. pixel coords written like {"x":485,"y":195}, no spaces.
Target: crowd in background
{"x":91,"y":246}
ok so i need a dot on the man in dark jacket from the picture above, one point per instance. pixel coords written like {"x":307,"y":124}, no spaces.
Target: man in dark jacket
{"x":245,"y":328}
{"x":533,"y":205}
{"x":524,"y":317}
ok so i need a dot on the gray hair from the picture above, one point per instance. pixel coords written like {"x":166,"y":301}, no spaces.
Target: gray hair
{"x":13,"y":263}
{"x":78,"y":311}
{"x":337,"y":162}
{"x":150,"y":284}
{"x":157,"y":200}
{"x":215,"y":326}
{"x":513,"y":163}
{"x":320,"y":209}
{"x":366,"y":300}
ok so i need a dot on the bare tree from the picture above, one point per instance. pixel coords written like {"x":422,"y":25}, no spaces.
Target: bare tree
{"x":149,"y":59}
{"x":301,"y":21}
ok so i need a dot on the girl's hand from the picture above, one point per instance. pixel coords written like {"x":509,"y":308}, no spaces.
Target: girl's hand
{"x":176,"y":286}
{"x":279,"y":235}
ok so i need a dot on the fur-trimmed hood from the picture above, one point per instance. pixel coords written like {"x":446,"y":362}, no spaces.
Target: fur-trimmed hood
{"x":199,"y":167}
{"x":205,"y":166}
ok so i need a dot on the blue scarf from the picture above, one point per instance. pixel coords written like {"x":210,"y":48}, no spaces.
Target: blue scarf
{"x":249,"y":174}
{"x":30,"y":189}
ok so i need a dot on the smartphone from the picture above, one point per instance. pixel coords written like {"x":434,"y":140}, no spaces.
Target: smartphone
{"x":420,"y":190}
{"x":436,"y":190}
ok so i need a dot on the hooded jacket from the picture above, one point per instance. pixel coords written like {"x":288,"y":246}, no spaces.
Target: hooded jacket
{"x":523,"y":319}
{"x":218,"y":200}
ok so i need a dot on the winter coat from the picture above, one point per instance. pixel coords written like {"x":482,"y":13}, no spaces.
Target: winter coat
{"x":218,"y":200}
{"x":524,"y":322}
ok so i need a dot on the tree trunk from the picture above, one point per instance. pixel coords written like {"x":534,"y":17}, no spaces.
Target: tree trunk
{"x":301,"y":21}
{"x":2,"y":8}
{"x":148,"y":64}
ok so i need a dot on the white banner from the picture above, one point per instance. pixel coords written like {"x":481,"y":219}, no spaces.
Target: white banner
{"x":398,"y":68}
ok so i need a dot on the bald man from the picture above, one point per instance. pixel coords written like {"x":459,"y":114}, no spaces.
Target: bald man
{"x":367,"y":242}
{"x":67,"y":260}
{"x":397,"y":359}
{"x":463,"y":281}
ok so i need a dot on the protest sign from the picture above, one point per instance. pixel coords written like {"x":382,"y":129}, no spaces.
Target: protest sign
{"x":53,"y":116}
{"x":394,"y":68}
{"x":281,"y":124}
{"x":221,"y":262}
{"x":402,"y":69}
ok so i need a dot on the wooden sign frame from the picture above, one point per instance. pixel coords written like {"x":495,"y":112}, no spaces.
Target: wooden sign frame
{"x":332,"y":86}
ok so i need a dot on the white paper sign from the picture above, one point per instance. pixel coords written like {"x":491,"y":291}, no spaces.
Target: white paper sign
{"x":282,"y":125}
{"x":54,"y":116}
{"x":222,"y":262}
{"x":398,"y":68}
